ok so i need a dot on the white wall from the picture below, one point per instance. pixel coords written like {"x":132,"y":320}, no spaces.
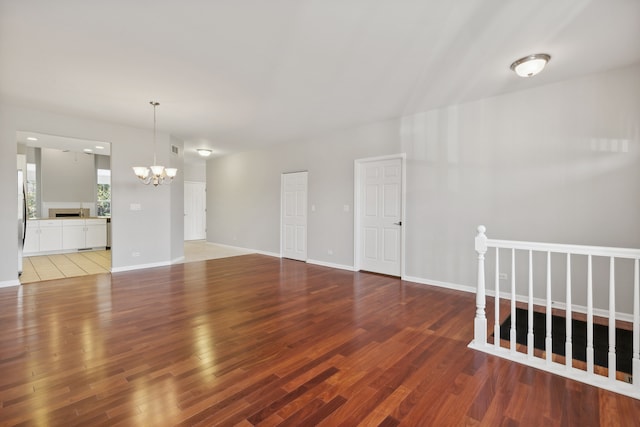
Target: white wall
{"x":67,"y":176}
{"x":143,"y":231}
{"x":195,"y":171}
{"x":243,"y":191}
{"x":559,"y":163}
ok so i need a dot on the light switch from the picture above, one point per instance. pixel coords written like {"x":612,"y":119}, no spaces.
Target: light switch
{"x":135,"y":207}
{"x":346,"y":208}
{"x":313,"y":208}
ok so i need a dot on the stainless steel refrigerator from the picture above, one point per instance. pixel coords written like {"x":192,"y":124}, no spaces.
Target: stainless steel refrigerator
{"x":22,"y":216}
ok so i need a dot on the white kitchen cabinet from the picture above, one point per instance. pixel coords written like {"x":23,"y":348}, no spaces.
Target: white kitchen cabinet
{"x":48,"y":236}
{"x":84,"y":233}
{"x":73,"y":234}
{"x":32,"y":237}
{"x":43,"y":236}
{"x":96,"y":233}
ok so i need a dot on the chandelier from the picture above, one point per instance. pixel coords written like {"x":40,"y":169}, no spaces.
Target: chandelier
{"x":155,"y":174}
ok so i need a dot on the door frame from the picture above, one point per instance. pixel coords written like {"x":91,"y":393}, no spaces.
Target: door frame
{"x":204,"y":187}
{"x":358,"y":164}
{"x":306,"y":231}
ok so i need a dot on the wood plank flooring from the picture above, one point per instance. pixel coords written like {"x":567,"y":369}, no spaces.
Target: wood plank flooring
{"x":255,"y":340}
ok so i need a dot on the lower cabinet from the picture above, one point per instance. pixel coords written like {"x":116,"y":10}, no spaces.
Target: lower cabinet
{"x":63,"y":235}
{"x":84,"y":233}
{"x":43,"y":236}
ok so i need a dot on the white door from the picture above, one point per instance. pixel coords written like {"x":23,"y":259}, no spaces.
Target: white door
{"x":294,"y":215}
{"x":380,"y":216}
{"x":195,"y":210}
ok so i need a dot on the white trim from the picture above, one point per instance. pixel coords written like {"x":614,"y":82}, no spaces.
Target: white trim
{"x":626,"y":317}
{"x":559,"y":369}
{"x":178,"y":260}
{"x":356,"y":210}
{"x":248,"y":250}
{"x":9,"y":283}
{"x":140,"y":266}
{"x":440,"y":284}
{"x":571,"y":249}
{"x":306,"y":214}
{"x":331,"y":265}
{"x":267,"y":253}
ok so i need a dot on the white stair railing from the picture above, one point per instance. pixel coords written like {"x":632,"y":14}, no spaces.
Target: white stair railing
{"x":482,"y":245}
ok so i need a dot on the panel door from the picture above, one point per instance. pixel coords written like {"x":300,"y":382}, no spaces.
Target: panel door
{"x":294,"y":215}
{"x":195,"y":211}
{"x":380,"y":216}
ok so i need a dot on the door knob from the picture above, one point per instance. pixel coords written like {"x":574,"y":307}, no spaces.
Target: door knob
{"x":398,"y":223}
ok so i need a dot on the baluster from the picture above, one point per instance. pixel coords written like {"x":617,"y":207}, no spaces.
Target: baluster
{"x":480,"y":322}
{"x":612,"y":320}
{"x":530,"y":309}
{"x":512,"y":331}
{"x":547,"y":341}
{"x":636,"y":325}
{"x":589,"y":315}
{"x":568,"y":345}
{"x":496,"y":327}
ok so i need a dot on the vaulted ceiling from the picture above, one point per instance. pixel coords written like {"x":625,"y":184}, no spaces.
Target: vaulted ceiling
{"x":240,"y":74}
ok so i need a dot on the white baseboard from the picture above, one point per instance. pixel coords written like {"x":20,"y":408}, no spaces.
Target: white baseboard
{"x":273,"y":254}
{"x":140,"y":266}
{"x":519,"y":298}
{"x":440,"y":284}
{"x":9,"y":283}
{"x":626,"y":317}
{"x":177,"y":260}
{"x":247,"y":250}
{"x":331,"y":265}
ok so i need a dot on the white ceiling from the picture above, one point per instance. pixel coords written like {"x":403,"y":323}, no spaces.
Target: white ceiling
{"x":238,"y":74}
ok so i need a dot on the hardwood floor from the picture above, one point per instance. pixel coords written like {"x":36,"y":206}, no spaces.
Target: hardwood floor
{"x":255,"y":340}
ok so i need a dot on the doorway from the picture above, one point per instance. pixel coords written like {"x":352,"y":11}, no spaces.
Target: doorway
{"x":293,"y":240}
{"x":195,"y":210}
{"x":379,"y":214}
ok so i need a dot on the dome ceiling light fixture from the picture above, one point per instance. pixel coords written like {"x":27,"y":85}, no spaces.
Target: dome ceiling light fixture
{"x":530,"y":65}
{"x":204,"y":152}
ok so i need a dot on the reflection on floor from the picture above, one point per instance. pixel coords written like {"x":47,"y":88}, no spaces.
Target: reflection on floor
{"x":48,"y":267}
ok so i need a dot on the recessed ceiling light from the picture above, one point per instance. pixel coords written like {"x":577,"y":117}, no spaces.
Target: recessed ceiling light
{"x":204,"y":152}
{"x":99,"y":147}
{"x":32,"y":138}
{"x":530,"y":65}
{"x":88,"y":150}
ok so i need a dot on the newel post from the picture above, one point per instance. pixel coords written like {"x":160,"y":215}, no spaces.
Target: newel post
{"x":480,"y":322}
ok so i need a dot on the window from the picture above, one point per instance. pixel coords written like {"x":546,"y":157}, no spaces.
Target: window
{"x":31,"y":186}
{"x":104,"y":192}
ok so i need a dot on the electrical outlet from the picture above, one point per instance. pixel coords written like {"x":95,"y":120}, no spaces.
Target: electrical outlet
{"x":330,"y":252}
{"x":503,"y":276}
{"x":135,"y":254}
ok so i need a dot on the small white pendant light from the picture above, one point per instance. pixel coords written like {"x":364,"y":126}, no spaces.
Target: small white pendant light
{"x":530,"y":65}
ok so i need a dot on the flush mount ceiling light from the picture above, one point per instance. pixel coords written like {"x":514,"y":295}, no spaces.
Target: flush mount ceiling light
{"x":204,"y":152}
{"x":530,"y":65}
{"x":155,"y":174}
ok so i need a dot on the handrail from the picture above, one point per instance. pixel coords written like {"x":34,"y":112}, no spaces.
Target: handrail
{"x":482,"y":244}
{"x":560,"y":248}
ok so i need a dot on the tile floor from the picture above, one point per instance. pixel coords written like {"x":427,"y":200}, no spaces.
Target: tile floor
{"x":58,"y":266}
